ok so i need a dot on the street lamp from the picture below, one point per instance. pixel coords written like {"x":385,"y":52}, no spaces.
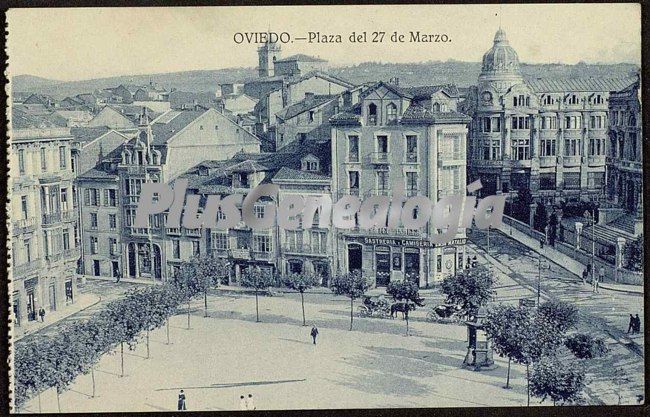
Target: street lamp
{"x":539,"y":274}
{"x":488,"y":232}
{"x":591,"y":219}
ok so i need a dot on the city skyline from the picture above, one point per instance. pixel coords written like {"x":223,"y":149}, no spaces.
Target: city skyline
{"x":37,"y":51}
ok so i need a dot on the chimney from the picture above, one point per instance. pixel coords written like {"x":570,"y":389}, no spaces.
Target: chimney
{"x":394,"y":81}
{"x":347,"y":99}
{"x":309,"y":96}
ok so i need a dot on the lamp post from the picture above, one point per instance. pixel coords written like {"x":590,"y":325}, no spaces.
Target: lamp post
{"x":591,"y":219}
{"x":488,"y":232}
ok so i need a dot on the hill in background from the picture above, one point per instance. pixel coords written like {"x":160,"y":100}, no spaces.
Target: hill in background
{"x":463,"y":74}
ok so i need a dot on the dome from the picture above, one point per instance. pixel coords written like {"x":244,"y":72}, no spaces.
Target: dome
{"x":501,"y":57}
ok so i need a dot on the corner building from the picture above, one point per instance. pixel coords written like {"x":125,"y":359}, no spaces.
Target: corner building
{"x":547,"y":135}
{"x":411,"y":139}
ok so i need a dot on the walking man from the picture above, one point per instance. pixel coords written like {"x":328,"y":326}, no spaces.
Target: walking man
{"x":632,"y":326}
{"x":597,"y":278}
{"x":118,"y":276}
{"x":41,"y":314}
{"x":181,"y":401}
{"x":584,"y":276}
{"x":637,"y":324}
{"x":314,"y":333}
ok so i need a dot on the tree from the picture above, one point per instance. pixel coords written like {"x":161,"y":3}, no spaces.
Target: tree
{"x":352,"y":285}
{"x":552,"y":229}
{"x":126,"y":322}
{"x":188,"y":281}
{"x":585,"y":346}
{"x":559,"y":380}
{"x":521,"y":208}
{"x":258,"y":279}
{"x":470,"y":288}
{"x":301,"y":282}
{"x":561,"y":314}
{"x":633,"y":255}
{"x":540,"y":219}
{"x":406,"y":291}
{"x":208,"y":271}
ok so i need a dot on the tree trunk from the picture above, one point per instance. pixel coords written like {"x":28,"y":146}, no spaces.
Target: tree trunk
{"x":407,"y":323}
{"x":122,"y":359}
{"x":58,"y":399}
{"x":508,"y":376}
{"x":302,"y":300}
{"x":147,"y":343}
{"x":167,"y":330}
{"x":205,"y":303}
{"x":188,"y":313}
{"x":528,"y":384}
{"x":92,"y":375}
{"x":351,"y":312}
{"x":257,"y":307}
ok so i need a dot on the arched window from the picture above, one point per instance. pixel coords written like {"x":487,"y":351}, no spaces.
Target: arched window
{"x":391,"y":112}
{"x":436,"y":107}
{"x":631,"y":121}
{"x":372,"y":114}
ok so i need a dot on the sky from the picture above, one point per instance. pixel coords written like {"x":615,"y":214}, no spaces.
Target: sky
{"x":84,"y":43}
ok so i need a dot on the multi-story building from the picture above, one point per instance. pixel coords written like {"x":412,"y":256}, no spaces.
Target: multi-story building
{"x":624,"y":161}
{"x":300,"y":168}
{"x":158,"y":152}
{"x":409,"y":138}
{"x":43,"y":219}
{"x":545,"y":135}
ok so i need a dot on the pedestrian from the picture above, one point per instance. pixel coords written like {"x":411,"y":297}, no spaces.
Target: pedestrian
{"x":541,"y":242}
{"x":249,"y":403}
{"x":118,"y":276}
{"x":41,"y":313}
{"x":314,"y":332}
{"x":181,"y":401}
{"x":637,"y":324}
{"x":242,"y":403}
{"x":596,"y":278}
{"x":601,"y":274}
{"x":585,"y":273}
{"x":632,"y":326}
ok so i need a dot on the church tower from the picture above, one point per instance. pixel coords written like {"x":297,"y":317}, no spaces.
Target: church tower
{"x":268,"y":54}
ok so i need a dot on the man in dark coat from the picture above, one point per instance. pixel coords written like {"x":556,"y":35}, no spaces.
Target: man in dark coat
{"x":41,"y":314}
{"x":181,"y":401}
{"x":637,"y":324}
{"x":632,"y":325}
{"x":314,"y":333}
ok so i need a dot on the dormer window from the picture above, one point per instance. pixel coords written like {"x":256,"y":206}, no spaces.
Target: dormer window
{"x":372,"y":114}
{"x":310,"y":163}
{"x":204,"y":171}
{"x":436,"y":107}
{"x":391,"y":112}
{"x":240,"y":180}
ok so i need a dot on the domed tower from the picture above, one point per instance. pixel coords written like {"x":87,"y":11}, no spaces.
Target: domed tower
{"x":500,"y":69}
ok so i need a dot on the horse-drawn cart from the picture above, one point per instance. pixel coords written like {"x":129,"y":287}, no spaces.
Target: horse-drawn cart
{"x":374,"y":306}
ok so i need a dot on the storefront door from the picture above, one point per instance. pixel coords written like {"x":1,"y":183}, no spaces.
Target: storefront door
{"x":412,"y":267}
{"x":52,"y":297}
{"x":31,"y":305}
{"x":354,"y":257}
{"x":383,"y":268}
{"x":69,"y":296}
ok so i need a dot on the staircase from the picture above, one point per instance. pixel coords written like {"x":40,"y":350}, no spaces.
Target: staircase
{"x":625,"y":223}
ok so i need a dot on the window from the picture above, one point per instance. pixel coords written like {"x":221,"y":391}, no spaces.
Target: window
{"x":91,"y":197}
{"x":382,"y":182}
{"x":520,"y":123}
{"x":258,"y":209}
{"x":571,"y":147}
{"x":196,"y":248}
{"x":261,"y":243}
{"x":572,"y":180}
{"x":382,"y":145}
{"x":110,"y":198}
{"x":294,"y":239}
{"x":112,"y":221}
{"x":93,"y":220}
{"x":372,"y":114}
{"x":66,"y":239}
{"x":43,"y":160}
{"x":391,"y":113}
{"x":487,"y":124}
{"x":93,"y":245}
{"x":548,"y":147}
{"x":491,"y":149}
{"x":63,"y":159}
{"x":411,"y":148}
{"x":573,"y":122}
{"x":439,"y":263}
{"x":21,"y":161}
{"x":319,"y":241}
{"x":353,"y":148}
{"x":595,"y":180}
{"x":549,"y":123}
{"x":353,"y":180}
{"x":311,"y":116}
{"x":220,"y":241}
{"x":547,"y":181}
{"x":28,"y":250}
{"x":411,"y":183}
{"x":112,"y":244}
{"x":23,"y":206}
{"x":596,"y":147}
{"x":176,"y":248}
{"x":520,"y":149}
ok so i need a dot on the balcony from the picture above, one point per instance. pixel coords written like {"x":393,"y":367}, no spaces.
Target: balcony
{"x":24,"y":225}
{"x":411,"y":158}
{"x":444,"y":193}
{"x":262,"y":256}
{"x":68,"y":216}
{"x":349,"y":191}
{"x":378,"y":191}
{"x":244,"y":254}
{"x":51,"y":218}
{"x":572,"y":161}
{"x":596,"y":160}
{"x":486,"y":163}
{"x":137,"y":231}
{"x":520,"y":163}
{"x":379,"y":157}
{"x":412,"y":192}
{"x":176,"y":231}
{"x":451,"y":158}
{"x":547,"y":161}
{"x":28,"y":268}
{"x":304,"y":249}
{"x":131,"y":199}
{"x":193,"y":232}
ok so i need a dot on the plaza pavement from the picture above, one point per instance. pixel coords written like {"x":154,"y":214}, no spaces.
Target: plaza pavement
{"x":228,"y":354}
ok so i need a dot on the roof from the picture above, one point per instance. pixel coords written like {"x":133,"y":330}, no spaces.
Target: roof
{"x":22,"y":119}
{"x":561,"y":85}
{"x":303,"y":105}
{"x":426,"y":91}
{"x":302,"y":58}
{"x":294,"y":174}
{"x":323,"y":75}
{"x":87,"y":134}
{"x":172,"y":122}
{"x":96,"y":173}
